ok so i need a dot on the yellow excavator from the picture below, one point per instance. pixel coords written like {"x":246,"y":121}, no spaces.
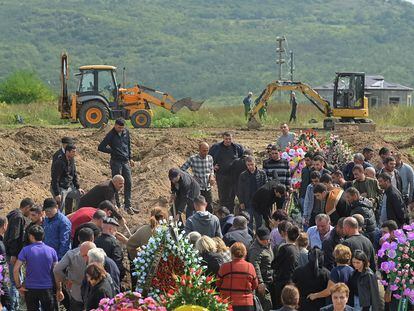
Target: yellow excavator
{"x":349,"y":107}
{"x":99,"y":98}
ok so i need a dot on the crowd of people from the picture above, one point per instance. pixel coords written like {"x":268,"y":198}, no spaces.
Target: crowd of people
{"x":74,"y":254}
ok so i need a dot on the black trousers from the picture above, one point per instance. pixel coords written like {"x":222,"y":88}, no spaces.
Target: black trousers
{"x":209,"y":198}
{"x":226,"y":191}
{"x":123,"y":168}
{"x":36,"y":297}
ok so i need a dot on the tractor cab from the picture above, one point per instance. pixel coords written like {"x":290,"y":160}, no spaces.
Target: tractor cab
{"x":349,"y":90}
{"x":98,"y":80}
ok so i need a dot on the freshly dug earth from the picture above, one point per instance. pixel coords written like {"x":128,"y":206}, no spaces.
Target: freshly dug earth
{"x":26,"y":154}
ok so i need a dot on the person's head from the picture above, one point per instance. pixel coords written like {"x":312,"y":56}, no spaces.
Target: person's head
{"x":220,"y":245}
{"x":368,"y":153}
{"x":118,"y":182}
{"x":250,"y":94}
{"x":278,"y":216}
{"x":95,"y":273}
{"x":358,"y":172}
{"x":263,"y":236}
{"x":36,"y":233}
{"x":290,"y":296}
{"x":303,"y":240}
{"x":200,"y":204}
{"x":360,"y":260}
{"x":250,"y":164}
{"x":110,"y":226}
{"x":36,"y":214}
{"x":280,"y":190}
{"x":398,"y":159}
{"x":96,"y":255}
{"x":119,"y":125}
{"x":221,"y":211}
{"x":292,"y":234}
{"x":315,"y":176}
{"x":203,"y":148}
{"x":361,"y":222}
{"x":384,"y":180}
{"x":245,"y":214}
{"x":227,"y":138}
{"x":238,"y":251}
{"x":25,"y":205}
{"x":339,"y":228}
{"x":359,"y":158}
{"x":318,"y":163}
{"x":98,"y":218}
{"x":85,"y":234}
{"x":323,"y":223}
{"x":50,"y":207}
{"x":352,"y":195}
{"x":339,"y":296}
{"x":274,"y":153}
{"x":205,"y":244}
{"x":70,"y":151}
{"x":84,"y":249}
{"x":284,"y":128}
{"x":384,"y":152}
{"x":157,"y":214}
{"x":293,"y":94}
{"x":174,"y":175}
{"x":338,"y":177}
{"x":66,"y":141}
{"x":342,"y":254}
{"x":320,"y":191}
{"x":109,"y":209}
{"x":389,"y":226}
{"x":239,"y":223}
{"x":283,"y":228}
{"x":389,"y":164}
{"x":370,"y":172}
{"x":193,"y":237}
{"x":3,"y":225}
{"x":309,"y":158}
{"x":350,"y":226}
{"x":326,"y":179}
{"x":269,"y":149}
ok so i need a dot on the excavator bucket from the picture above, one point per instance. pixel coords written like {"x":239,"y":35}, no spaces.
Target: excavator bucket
{"x":186,"y":102}
{"x":253,"y":124}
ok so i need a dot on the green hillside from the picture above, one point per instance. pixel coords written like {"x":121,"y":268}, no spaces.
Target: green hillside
{"x":206,"y":48}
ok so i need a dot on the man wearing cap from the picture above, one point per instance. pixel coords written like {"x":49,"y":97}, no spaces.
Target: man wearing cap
{"x":65,"y":184}
{"x":247,"y":102}
{"x":61,"y":152}
{"x":117,"y":143}
{"x":110,"y":245}
{"x":203,"y":221}
{"x":202,"y":167}
{"x":184,"y":189}
{"x":261,"y":256}
{"x":57,"y":228}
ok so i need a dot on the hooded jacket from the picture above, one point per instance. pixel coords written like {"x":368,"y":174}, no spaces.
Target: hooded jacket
{"x":204,"y":223}
{"x":364,"y":207}
{"x":14,"y":235}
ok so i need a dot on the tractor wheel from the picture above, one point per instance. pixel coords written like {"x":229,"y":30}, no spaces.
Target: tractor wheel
{"x":93,"y":114}
{"x":141,"y":118}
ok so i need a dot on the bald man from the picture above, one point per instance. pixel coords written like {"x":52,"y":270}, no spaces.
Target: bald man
{"x":104,"y":191}
{"x":202,"y":167}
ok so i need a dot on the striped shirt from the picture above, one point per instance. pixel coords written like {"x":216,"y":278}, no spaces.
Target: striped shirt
{"x":278,"y":168}
{"x":202,"y":169}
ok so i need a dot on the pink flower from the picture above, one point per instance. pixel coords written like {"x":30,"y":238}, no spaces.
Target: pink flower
{"x":393,"y":287}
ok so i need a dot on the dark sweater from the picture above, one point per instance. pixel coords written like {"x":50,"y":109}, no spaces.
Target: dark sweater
{"x":278,"y":169}
{"x":248,"y":185}
{"x":225,"y":155}
{"x":361,"y":242}
{"x":112,"y":249}
{"x":103,"y":289}
{"x":285,"y":263}
{"x":117,"y":145}
{"x":99,"y":193}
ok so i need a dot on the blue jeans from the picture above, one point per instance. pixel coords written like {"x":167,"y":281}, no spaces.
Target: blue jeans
{"x":14,"y":293}
{"x":123,"y":168}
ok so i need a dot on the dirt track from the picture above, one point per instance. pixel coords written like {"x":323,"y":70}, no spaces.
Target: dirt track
{"x":26,"y":153}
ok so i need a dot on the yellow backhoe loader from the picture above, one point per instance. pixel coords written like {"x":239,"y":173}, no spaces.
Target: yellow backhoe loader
{"x":349,"y":107}
{"x":99,"y":98}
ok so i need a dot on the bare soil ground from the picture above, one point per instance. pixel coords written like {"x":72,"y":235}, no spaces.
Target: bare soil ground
{"x":25,"y":158}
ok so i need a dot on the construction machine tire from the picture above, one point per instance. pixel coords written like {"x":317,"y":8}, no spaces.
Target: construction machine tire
{"x":93,"y":114}
{"x":141,"y":119}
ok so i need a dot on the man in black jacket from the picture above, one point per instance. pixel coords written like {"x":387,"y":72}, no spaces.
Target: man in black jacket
{"x":117,"y":143}
{"x":328,"y":245}
{"x":184,"y":189}
{"x":104,"y":191}
{"x":392,"y":206}
{"x":14,"y":241}
{"x":362,"y":206}
{"x":224,"y":154}
{"x":61,"y":151}
{"x":65,"y":184}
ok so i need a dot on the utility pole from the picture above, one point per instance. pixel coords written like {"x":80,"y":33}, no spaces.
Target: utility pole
{"x":280,"y":50}
{"x":292,"y":66}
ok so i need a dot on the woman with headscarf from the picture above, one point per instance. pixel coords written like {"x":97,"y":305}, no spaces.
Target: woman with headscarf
{"x":311,"y":278}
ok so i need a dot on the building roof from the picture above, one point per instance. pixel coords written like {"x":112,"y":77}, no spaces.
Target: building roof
{"x":372,"y":82}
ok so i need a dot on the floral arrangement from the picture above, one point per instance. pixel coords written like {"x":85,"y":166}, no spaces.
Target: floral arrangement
{"x":295,"y":155}
{"x":194,"y":288}
{"x":167,"y":254}
{"x":399,"y":264}
{"x":309,"y":139}
{"x":129,"y":301}
{"x":3,"y":278}
{"x":336,"y":152}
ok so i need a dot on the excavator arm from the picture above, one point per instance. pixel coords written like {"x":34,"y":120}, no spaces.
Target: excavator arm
{"x":320,"y":103}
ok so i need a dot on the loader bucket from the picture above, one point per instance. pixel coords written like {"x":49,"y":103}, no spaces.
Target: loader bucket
{"x":186,"y":102}
{"x":253,"y":124}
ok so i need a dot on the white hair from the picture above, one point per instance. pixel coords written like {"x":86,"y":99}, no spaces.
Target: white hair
{"x":117,"y":178}
{"x":96,"y":255}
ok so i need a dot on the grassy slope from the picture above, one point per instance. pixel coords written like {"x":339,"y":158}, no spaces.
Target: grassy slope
{"x":207,"y":48}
